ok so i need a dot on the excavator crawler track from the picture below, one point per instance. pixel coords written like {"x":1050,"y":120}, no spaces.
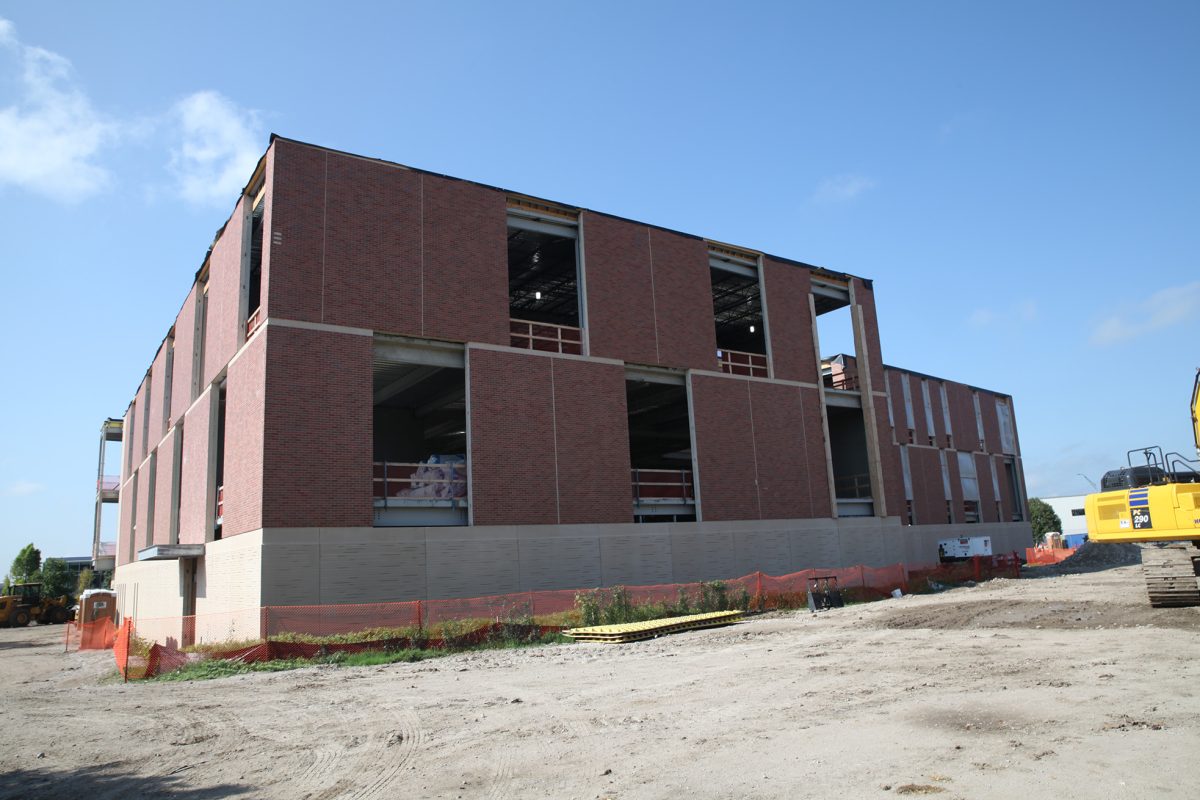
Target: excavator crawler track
{"x":1171,"y":576}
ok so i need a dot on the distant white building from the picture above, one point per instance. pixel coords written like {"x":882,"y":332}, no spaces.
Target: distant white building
{"x":1070,"y":511}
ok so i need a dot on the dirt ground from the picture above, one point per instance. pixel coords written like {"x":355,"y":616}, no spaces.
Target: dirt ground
{"x":1064,"y":686}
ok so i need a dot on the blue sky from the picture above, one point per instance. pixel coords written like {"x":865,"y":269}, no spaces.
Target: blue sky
{"x":1019,"y":178}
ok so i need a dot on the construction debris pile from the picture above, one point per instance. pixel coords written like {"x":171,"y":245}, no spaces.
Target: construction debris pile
{"x":1096,"y":555}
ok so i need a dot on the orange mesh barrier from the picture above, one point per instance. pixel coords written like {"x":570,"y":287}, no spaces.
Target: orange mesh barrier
{"x":150,"y":647}
{"x":1047,"y":555}
{"x":95,"y":635}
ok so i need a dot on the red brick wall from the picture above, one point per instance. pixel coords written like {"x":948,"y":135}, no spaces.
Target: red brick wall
{"x":513,"y":477}
{"x":193,"y":480}
{"x":158,"y":394}
{"x":786,"y":466}
{"x":780,"y":471}
{"x":891,"y":470}
{"x":592,"y":436}
{"x":181,"y":372}
{"x":371,"y":245}
{"x":295,"y":239}
{"x":991,"y":421}
{"x":466,"y":262}
{"x":789,"y":321}
{"x":549,"y":440}
{"x":224,"y":295}
{"x":724,"y":448}
{"x":124,"y":521}
{"x":317,"y":429}
{"x":620,"y":289}
{"x":162,"y":489}
{"x":956,"y":492}
{"x":962,"y":416}
{"x":244,"y":415}
{"x":814,"y":443}
{"x":372,"y":250}
{"x":687,"y":333}
{"x":142,"y":512}
{"x":987,"y":497}
{"x":921,"y":424}
{"x":133,"y":426}
{"x":929,"y":499}
{"x":865,"y":297}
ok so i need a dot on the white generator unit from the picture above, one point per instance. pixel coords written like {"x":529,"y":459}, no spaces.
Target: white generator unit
{"x":964,"y":547}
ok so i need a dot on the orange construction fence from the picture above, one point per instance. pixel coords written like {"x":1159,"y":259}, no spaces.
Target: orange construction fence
{"x":152,"y":646}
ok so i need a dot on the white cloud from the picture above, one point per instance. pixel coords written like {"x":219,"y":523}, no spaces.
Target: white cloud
{"x":1163,"y":309}
{"x":219,"y":146}
{"x":841,"y":189}
{"x":50,"y":132}
{"x":22,"y":489}
{"x":982,"y":317}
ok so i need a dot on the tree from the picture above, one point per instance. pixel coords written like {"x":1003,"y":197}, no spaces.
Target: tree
{"x":25,"y":566}
{"x":56,"y":578}
{"x":86,"y":579}
{"x":1043,"y":519}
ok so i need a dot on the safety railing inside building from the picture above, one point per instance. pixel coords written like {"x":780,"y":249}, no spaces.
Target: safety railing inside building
{"x":855,"y":487}
{"x":847,"y":381}
{"x":253,"y":321}
{"x":439,"y":481}
{"x":530,"y":335}
{"x":736,"y":362}
{"x":662,"y":486}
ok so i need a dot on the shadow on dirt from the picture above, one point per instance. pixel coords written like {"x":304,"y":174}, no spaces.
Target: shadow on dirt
{"x":105,"y":781}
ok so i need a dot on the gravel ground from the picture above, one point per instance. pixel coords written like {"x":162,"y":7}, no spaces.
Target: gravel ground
{"x":1057,"y":686}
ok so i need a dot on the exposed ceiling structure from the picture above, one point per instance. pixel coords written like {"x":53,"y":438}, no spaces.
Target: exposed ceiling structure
{"x":737,"y":308}
{"x":542,"y":277}
{"x":435,"y":396}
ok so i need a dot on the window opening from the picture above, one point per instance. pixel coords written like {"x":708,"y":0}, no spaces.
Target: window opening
{"x":979,"y":422}
{"x":946,"y":418}
{"x":835,"y":333}
{"x":200,"y":334}
{"x":946,"y":486}
{"x":851,"y":468}
{"x":419,"y":473}
{"x":133,"y":531}
{"x":841,"y":372}
{"x":176,"y":483}
{"x":254,"y":300}
{"x":738,"y":313}
{"x":928,"y":413}
{"x":151,"y":486}
{"x":219,"y":521}
{"x":1014,"y":488}
{"x":167,"y":379}
{"x":660,"y":451}
{"x":149,"y":404}
{"x":1008,"y":439}
{"x":906,"y":468}
{"x":543,"y":285}
{"x":909,"y":419}
{"x":970,"y":486}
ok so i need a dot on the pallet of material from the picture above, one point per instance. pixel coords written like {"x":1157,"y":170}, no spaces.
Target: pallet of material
{"x":637,"y":631}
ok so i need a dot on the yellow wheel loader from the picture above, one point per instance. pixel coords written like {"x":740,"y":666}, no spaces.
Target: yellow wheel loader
{"x":1156,"y":501}
{"x":25,"y":604}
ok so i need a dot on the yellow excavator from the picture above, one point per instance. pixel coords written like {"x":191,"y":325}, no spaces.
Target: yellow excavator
{"x":1156,"y":500}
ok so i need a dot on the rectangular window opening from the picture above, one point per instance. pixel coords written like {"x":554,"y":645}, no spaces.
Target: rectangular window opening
{"x":851,"y":468}
{"x":660,"y":452}
{"x":219,"y":518}
{"x":543,"y":285}
{"x":201,"y":331}
{"x":419,"y":474}
{"x":738,"y":315}
{"x":254,"y":288}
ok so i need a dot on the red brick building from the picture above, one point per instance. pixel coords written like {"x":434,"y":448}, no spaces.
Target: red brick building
{"x":387,"y":384}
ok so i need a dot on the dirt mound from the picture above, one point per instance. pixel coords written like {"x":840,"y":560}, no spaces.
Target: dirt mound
{"x":1097,"y":555}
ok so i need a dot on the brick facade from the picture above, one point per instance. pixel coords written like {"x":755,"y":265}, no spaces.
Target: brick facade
{"x":317,"y":429}
{"x":355,"y":243}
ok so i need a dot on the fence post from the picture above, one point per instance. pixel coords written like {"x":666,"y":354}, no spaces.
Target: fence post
{"x":862,"y":579}
{"x":419,"y":625}
{"x":531,"y":601}
{"x":1016,"y":565}
{"x":759,"y":600}
{"x":904,"y":576}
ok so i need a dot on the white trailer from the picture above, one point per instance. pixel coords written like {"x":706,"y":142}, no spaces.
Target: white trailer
{"x":964,"y":547}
